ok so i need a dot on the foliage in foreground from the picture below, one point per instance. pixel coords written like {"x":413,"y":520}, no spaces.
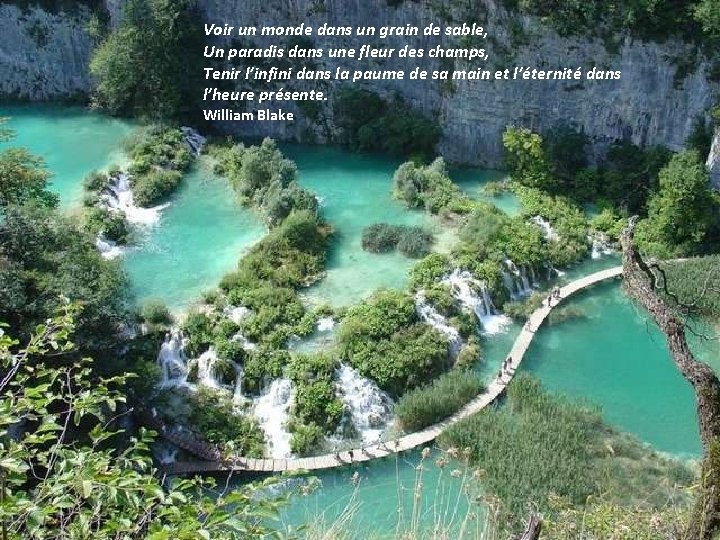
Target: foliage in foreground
{"x":539,"y":444}
{"x":57,"y":486}
{"x":430,"y":404}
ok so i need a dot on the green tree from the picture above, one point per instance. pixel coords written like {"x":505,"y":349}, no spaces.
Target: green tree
{"x":54,"y":486}
{"x":23,"y":178}
{"x":151,"y":65}
{"x":682,"y":211}
{"x":707,"y":13}
{"x":44,"y":257}
{"x":528,"y":160}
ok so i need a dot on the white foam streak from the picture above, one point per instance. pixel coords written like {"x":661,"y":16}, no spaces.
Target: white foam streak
{"x":272,"y":411}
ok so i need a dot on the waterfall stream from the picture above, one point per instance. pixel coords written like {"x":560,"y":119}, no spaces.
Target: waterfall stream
{"x":431,"y":316}
{"x":369,"y":406}
{"x":272,"y":411}
{"x":474,"y":295}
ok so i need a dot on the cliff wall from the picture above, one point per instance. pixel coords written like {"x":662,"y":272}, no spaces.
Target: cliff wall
{"x":663,"y":89}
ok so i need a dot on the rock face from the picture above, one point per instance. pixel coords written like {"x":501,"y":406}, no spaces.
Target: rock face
{"x":713,"y":162}
{"x":43,"y":56}
{"x":653,"y":103}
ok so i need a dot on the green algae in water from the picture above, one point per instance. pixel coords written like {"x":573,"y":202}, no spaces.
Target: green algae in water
{"x":200,"y":236}
{"x":72,"y":140}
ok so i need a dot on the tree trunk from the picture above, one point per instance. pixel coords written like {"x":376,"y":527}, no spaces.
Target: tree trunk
{"x":642,"y":282}
{"x":532,"y":529}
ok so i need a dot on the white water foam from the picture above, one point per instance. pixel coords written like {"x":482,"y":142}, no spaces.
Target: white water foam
{"x":272,"y":411}
{"x":463,"y":287}
{"x":369,"y":406}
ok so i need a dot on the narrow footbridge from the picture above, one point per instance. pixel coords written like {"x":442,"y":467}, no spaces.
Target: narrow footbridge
{"x":215,"y":463}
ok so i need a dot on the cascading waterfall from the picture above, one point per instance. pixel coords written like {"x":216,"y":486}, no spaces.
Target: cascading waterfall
{"x":463,"y":287}
{"x":601,"y":245}
{"x":206,"y":369}
{"x":325,"y":324}
{"x":272,"y":411}
{"x":516,"y":280}
{"x":369,"y":406}
{"x":118,"y":197}
{"x":172,"y":361}
{"x":547,"y":230}
{"x":108,"y":249}
{"x":432,"y":317}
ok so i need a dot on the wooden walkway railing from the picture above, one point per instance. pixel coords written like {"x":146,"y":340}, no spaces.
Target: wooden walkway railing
{"x":406,"y":442}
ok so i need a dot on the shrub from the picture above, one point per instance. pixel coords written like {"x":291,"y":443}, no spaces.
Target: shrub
{"x":198,"y":331}
{"x":305,"y":438}
{"x":265,"y":180}
{"x":96,"y":181}
{"x":470,"y":354}
{"x":213,"y":416}
{"x":415,"y":242}
{"x":412,"y":242}
{"x":380,"y":238}
{"x":433,"y":403}
{"x":263,"y":364}
{"x":155,"y":312}
{"x":110,"y":225}
{"x":152,"y":187}
{"x":430,"y":187}
{"x":369,"y":122}
{"x":429,"y":271}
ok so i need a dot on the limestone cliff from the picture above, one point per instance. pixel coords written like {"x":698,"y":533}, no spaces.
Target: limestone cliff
{"x":43,"y":56}
{"x":663,"y":89}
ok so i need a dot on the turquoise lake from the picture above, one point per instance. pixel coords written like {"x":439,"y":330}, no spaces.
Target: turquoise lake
{"x":611,"y":355}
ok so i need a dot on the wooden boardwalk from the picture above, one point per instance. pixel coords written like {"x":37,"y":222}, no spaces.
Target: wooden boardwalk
{"x":405,"y":442}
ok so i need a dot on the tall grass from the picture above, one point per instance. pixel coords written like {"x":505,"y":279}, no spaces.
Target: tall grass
{"x":539,"y":444}
{"x":433,"y":403}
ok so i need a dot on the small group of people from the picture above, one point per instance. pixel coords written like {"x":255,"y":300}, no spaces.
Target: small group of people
{"x":506,"y":365}
{"x":554,"y":294}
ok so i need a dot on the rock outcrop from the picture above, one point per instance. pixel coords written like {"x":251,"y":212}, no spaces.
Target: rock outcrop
{"x":43,"y":56}
{"x":662,"y":91}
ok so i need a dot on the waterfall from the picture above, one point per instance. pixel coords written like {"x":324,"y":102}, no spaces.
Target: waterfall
{"x":246,"y":344}
{"x":547,"y":230}
{"x":463,"y":287}
{"x":271,"y":410}
{"x":207,"y":374}
{"x":601,"y":245}
{"x":108,"y":249}
{"x":193,"y":139}
{"x":237,"y":313}
{"x":369,"y":406}
{"x":172,"y":361}
{"x":238,"y":397}
{"x":516,"y":280}
{"x":431,"y":316}
{"x":325,"y":324}
{"x":118,"y":196}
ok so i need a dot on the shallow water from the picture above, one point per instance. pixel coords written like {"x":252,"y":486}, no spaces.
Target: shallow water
{"x":72,"y":140}
{"x":200,"y":236}
{"x":356,"y":191}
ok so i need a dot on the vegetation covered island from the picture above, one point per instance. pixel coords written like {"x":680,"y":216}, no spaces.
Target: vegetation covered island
{"x":412,"y":312}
